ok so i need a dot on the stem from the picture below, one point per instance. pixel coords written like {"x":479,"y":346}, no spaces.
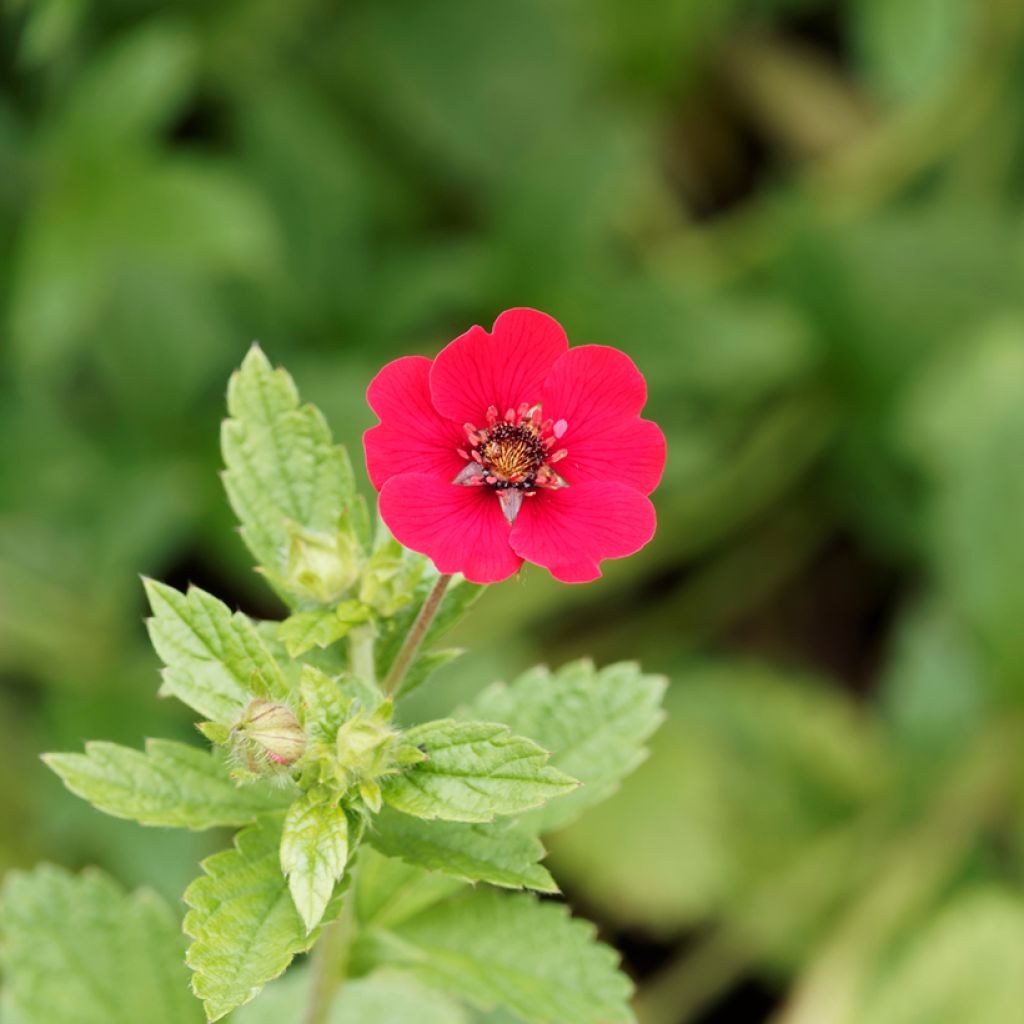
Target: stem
{"x":330,"y":962}
{"x":415,"y":637}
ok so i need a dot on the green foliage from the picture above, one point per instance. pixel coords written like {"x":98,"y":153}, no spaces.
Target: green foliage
{"x":307,"y":751}
{"x":289,"y":484}
{"x":244,"y":927}
{"x":819,"y":276}
{"x":305,"y":630}
{"x":473,"y":771}
{"x":78,"y":950}
{"x":966,"y":964}
{"x":499,"y":853}
{"x":510,"y":951}
{"x":216,"y":661}
{"x":594,"y":723}
{"x":314,"y":849}
{"x":387,"y":997}
{"x":167,"y":784}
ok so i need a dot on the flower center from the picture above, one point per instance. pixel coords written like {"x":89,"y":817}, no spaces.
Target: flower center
{"x":513,"y":455}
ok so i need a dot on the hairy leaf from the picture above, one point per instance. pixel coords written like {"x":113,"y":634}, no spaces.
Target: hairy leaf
{"x":496,"y":949}
{"x":473,"y":771}
{"x":389,"y":890}
{"x":314,"y":849}
{"x":77,"y":950}
{"x":243,"y":923}
{"x":387,"y":997}
{"x":216,"y":661}
{"x":305,"y":630}
{"x":167,"y":784}
{"x":282,"y":465}
{"x":594,"y":722}
{"x":500,"y":853}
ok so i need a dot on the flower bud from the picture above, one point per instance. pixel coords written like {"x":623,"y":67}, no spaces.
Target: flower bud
{"x":390,"y":577}
{"x":321,"y":567}
{"x":274,"y":728}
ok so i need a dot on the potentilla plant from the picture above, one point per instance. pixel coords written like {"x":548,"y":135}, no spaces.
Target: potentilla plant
{"x":359,"y":829}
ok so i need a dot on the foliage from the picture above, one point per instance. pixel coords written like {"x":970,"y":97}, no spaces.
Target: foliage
{"x":306,"y":759}
{"x":802,"y":220}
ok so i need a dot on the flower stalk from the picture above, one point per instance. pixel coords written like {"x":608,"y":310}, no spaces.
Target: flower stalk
{"x":415,"y":637}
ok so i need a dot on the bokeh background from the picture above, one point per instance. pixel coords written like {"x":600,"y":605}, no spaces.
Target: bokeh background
{"x":805,"y":222}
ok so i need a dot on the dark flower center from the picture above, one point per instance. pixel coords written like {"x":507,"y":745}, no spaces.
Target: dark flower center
{"x":513,"y":455}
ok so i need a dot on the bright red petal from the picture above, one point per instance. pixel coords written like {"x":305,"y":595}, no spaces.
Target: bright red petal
{"x":461,"y":529}
{"x":598,"y":392}
{"x":411,"y":437}
{"x":503,"y":368}
{"x":631,"y":451}
{"x":571,"y":529}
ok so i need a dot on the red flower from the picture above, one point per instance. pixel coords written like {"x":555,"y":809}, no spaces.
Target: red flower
{"x":511,"y":446}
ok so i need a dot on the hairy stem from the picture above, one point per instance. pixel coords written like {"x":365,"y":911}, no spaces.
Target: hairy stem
{"x":415,"y":636}
{"x":330,"y":962}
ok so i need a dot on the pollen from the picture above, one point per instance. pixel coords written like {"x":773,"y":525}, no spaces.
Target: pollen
{"x":512,"y":455}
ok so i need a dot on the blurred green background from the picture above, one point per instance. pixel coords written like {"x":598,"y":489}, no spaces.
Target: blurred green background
{"x":805,"y":222}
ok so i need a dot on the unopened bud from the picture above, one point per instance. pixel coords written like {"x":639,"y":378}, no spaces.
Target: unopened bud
{"x":390,"y":577}
{"x":321,"y":566}
{"x":275,"y":729}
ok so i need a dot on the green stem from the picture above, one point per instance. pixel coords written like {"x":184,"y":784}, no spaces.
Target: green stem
{"x":415,"y":637}
{"x":330,"y":962}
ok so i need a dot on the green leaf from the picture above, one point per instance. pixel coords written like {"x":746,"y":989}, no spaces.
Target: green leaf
{"x":473,"y":771}
{"x":283,"y":468}
{"x":389,"y":890}
{"x":167,"y":784}
{"x":594,"y":723}
{"x":78,"y":950}
{"x":216,"y":661}
{"x":305,"y":630}
{"x":500,"y":853}
{"x":387,"y":997}
{"x":496,"y":949}
{"x":243,"y":923}
{"x":965,"y":965}
{"x":750,"y":772}
{"x":314,"y":849}
{"x":457,"y":600}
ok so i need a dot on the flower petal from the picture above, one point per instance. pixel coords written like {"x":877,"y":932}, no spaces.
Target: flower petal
{"x":571,"y":529}
{"x":411,"y":437}
{"x":503,"y":368}
{"x":598,"y":392}
{"x":461,"y":529}
{"x":630,"y":451}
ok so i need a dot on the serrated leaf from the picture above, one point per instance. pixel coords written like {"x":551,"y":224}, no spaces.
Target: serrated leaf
{"x":243,"y":923}
{"x":314,"y":849}
{"x":78,"y":950}
{"x":457,"y":600}
{"x":216,"y":660}
{"x":496,"y":949}
{"x":595,"y":724}
{"x":169,"y":784}
{"x":387,"y":997}
{"x":305,"y":630}
{"x":473,"y":771}
{"x":389,"y":890}
{"x":499,"y":853}
{"x":282,"y":464}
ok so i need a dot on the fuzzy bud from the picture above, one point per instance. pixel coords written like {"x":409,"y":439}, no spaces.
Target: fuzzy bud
{"x":274,"y":728}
